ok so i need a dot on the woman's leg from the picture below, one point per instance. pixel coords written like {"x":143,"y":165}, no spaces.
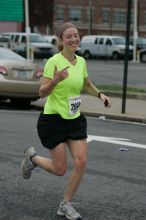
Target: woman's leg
{"x":58,"y":162}
{"x":78,"y":149}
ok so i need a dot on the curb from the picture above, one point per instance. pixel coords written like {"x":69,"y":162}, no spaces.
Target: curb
{"x":121,"y":117}
{"x":103,"y":116}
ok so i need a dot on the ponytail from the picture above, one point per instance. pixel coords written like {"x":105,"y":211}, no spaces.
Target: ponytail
{"x":59,"y":45}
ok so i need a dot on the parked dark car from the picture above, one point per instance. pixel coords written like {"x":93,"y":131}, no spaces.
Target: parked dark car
{"x":143,"y":55}
{"x":141,"y":47}
{"x":140,"y":42}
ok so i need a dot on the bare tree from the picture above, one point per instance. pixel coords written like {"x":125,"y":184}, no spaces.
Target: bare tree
{"x":41,"y":13}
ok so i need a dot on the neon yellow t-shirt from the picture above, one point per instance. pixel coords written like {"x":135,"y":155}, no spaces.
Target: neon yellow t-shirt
{"x":65,"y":97}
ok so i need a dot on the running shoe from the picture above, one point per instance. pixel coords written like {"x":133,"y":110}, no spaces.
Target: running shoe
{"x":67,"y":210}
{"x":27,"y":165}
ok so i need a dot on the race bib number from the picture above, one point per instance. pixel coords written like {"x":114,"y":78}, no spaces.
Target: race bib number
{"x":74,"y":104}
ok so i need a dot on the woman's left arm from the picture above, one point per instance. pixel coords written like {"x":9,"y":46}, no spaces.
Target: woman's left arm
{"x":91,"y":89}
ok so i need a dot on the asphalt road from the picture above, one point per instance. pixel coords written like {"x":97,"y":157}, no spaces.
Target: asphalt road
{"x":113,"y":188}
{"x":111,"y":73}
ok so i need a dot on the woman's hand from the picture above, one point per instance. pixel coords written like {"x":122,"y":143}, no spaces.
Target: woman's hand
{"x":106,"y":100}
{"x":60,"y":75}
{"x":91,"y":89}
{"x":47,"y":84}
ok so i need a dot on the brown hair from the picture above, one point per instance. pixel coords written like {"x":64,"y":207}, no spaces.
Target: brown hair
{"x":60,"y":31}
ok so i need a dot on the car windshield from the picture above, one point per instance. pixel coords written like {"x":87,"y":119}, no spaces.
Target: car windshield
{"x":8,"y":54}
{"x":141,"y":41}
{"x":119,"y":40}
{"x":4,"y":39}
{"x":47,"y":39}
{"x":37,"y":39}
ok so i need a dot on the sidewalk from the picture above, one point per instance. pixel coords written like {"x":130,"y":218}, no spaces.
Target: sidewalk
{"x":135,"y":108}
{"x":92,"y":106}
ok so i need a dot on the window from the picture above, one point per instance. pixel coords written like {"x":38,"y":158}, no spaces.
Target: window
{"x":101,"y":41}
{"x":119,"y":17}
{"x":96,"y":40}
{"x":36,"y":39}
{"x":119,"y":40}
{"x":60,"y":14}
{"x":75,"y":14}
{"x":105,"y":16}
{"x":23,"y":39}
{"x":16,"y":38}
{"x":108,"y":42}
{"x":12,"y":37}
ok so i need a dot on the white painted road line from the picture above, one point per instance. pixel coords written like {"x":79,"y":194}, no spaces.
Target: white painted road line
{"x":114,"y":140}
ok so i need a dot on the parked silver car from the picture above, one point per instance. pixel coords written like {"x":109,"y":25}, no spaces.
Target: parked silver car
{"x":40,"y":48}
{"x":19,"y":78}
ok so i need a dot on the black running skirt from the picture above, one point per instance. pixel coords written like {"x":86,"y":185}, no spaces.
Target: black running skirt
{"x":53,"y":130}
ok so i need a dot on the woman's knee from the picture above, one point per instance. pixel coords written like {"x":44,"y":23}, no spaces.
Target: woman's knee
{"x":60,"y":170}
{"x":80,"y":164}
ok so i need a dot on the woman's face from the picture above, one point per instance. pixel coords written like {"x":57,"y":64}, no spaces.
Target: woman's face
{"x":70,"y":39}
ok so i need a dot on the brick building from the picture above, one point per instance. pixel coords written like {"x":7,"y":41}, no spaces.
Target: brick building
{"x":107,"y":16}
{"x":90,"y":16}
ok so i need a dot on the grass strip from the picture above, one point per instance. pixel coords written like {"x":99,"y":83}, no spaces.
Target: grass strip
{"x":116,"y":88}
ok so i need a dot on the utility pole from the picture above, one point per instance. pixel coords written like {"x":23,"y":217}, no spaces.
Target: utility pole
{"x":126,"y":56}
{"x":90,"y":17}
{"x":27,"y":29}
{"x":135,"y":32}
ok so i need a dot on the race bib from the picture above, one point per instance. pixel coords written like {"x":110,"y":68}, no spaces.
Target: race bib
{"x":74,"y":104}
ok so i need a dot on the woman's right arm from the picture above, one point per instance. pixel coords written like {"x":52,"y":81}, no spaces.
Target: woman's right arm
{"x":47,"y":84}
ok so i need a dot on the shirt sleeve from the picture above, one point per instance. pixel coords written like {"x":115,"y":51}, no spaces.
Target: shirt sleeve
{"x":49,"y":68}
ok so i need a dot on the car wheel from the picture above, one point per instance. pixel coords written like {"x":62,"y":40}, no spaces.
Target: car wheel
{"x":20,"y":103}
{"x":87,"y":55}
{"x":115,"y":56}
{"x":143,"y":57}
